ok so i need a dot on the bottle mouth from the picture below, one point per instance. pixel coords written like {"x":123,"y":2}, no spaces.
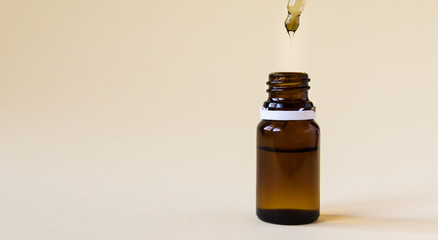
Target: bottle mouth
{"x":284,"y":76}
{"x":280,"y":81}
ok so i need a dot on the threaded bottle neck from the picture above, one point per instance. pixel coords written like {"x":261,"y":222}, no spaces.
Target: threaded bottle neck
{"x":288,"y":91}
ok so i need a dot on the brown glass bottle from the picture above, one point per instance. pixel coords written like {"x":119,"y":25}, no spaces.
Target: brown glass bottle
{"x":288,"y":155}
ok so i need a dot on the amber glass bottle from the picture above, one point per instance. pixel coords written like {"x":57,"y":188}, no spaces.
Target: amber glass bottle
{"x":288,"y":153}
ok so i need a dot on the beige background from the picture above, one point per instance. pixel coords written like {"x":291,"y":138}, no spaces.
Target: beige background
{"x":136,"y":119}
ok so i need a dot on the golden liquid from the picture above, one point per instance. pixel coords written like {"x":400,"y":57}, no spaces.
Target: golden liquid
{"x":295,"y":9}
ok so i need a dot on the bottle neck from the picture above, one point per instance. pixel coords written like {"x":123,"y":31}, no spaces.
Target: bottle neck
{"x":288,"y":91}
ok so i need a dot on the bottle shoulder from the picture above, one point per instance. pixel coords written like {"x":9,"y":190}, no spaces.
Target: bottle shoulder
{"x":276,"y":126}
{"x":290,"y":135}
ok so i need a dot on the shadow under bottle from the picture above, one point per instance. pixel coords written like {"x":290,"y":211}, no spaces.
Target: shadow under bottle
{"x":288,"y":155}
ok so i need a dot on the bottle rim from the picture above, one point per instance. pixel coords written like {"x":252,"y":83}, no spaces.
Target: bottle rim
{"x":289,"y":75}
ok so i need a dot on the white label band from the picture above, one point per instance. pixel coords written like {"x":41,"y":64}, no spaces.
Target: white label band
{"x":287,"y":115}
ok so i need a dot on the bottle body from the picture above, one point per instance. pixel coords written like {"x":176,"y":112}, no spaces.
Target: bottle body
{"x":288,"y":171}
{"x":288,"y":162}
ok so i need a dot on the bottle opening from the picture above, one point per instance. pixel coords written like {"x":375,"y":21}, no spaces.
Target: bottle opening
{"x":288,"y":76}
{"x":280,"y":81}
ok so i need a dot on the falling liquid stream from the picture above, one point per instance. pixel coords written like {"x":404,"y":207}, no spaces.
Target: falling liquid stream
{"x":291,"y":39}
{"x":295,"y":8}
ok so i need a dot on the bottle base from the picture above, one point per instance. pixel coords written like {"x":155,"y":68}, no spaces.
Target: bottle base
{"x":287,"y":216}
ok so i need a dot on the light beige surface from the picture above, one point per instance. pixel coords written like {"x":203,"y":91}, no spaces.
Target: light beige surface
{"x":136,"y":119}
